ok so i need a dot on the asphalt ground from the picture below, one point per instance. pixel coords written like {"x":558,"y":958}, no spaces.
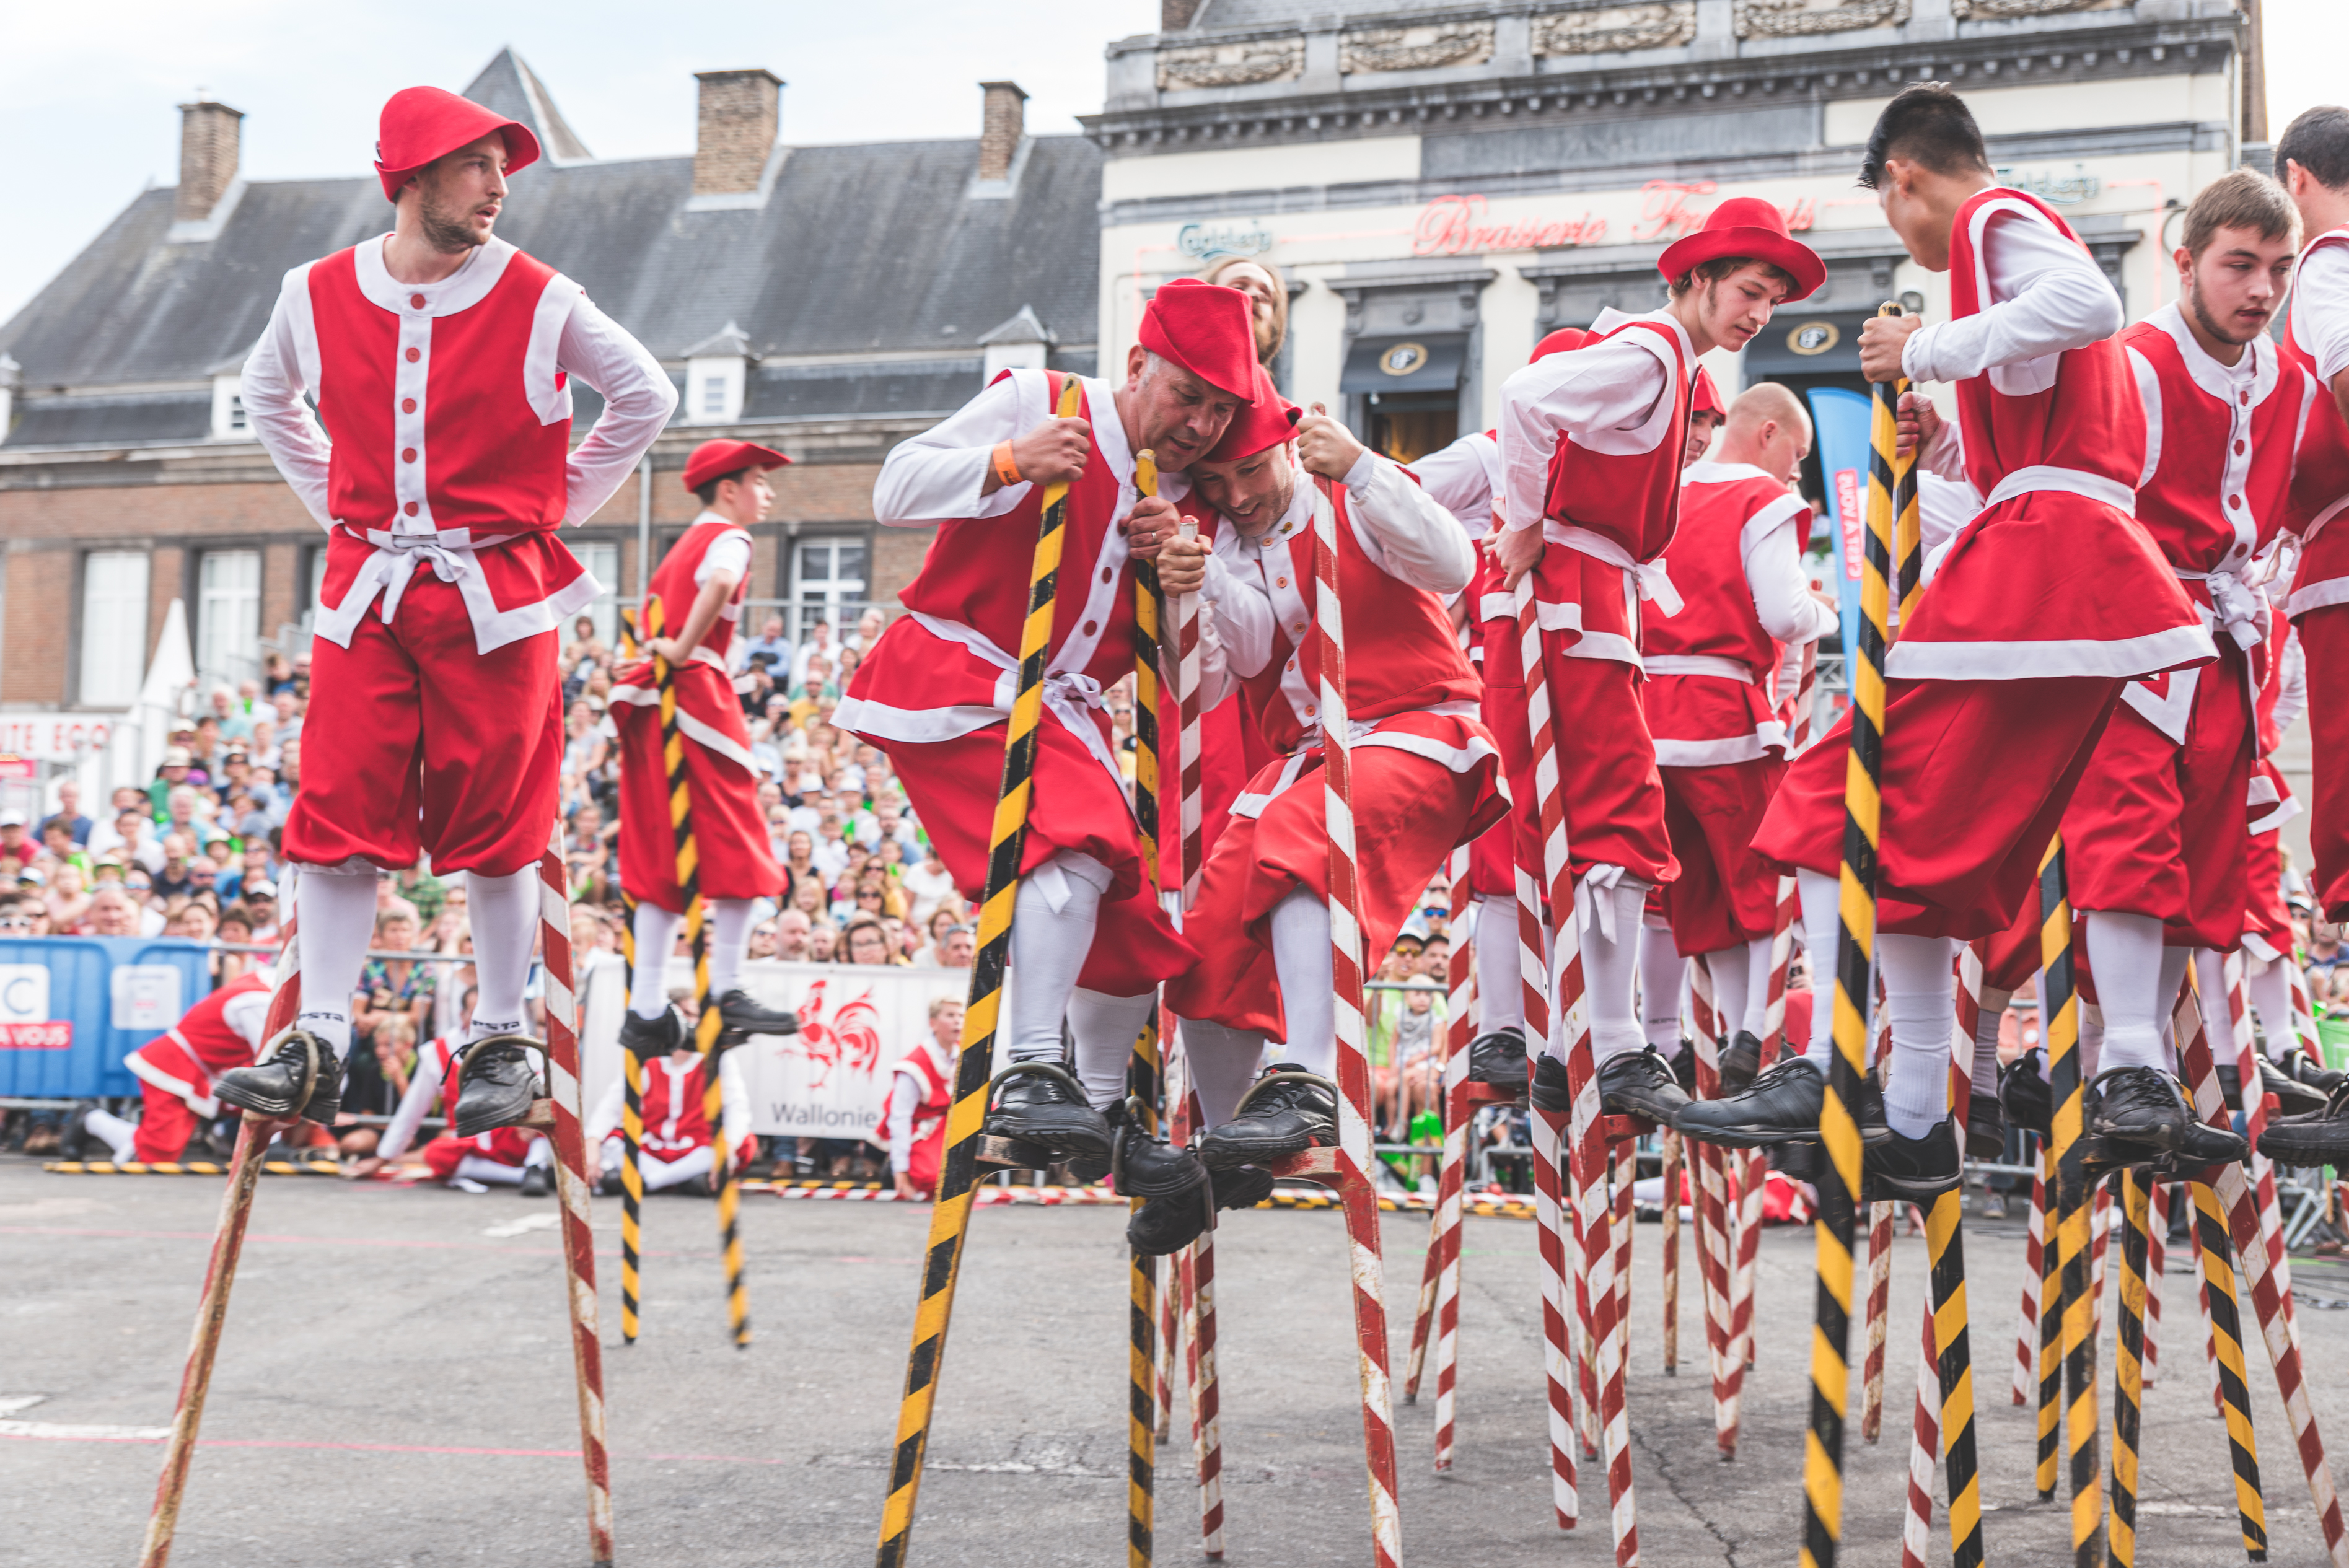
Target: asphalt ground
{"x":395,"y":1389}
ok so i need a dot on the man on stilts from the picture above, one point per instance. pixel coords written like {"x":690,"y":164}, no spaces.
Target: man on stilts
{"x":1592,"y":444}
{"x":1088,"y":941}
{"x":695,"y":600}
{"x":441,"y":359}
{"x":1982,"y":676}
{"x":1424,"y":771}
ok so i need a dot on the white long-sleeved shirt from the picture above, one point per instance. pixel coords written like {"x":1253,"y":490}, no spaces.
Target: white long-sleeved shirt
{"x":1606,"y":393}
{"x":1463,"y":478}
{"x":2045,"y":295}
{"x":906,"y":1093}
{"x":638,"y":396}
{"x":2320,"y":309}
{"x":938,"y":475}
{"x":2292,"y":691}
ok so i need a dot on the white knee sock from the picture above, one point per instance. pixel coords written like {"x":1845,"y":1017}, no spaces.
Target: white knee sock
{"x":1661,"y":972}
{"x":730,"y":939}
{"x":1302,"y":958}
{"x":1610,"y":963}
{"x":2126,"y":954}
{"x":503,"y":911}
{"x":1223,"y":1064}
{"x":338,"y":911}
{"x":1756,"y":1018}
{"x":1822,"y":925}
{"x":656,"y":930}
{"x":1732,"y":977}
{"x":2218,"y":1018}
{"x":487,"y":1172}
{"x":121,"y":1136}
{"x":2270,"y":991}
{"x":1106,"y":1027}
{"x":2173,"y":979}
{"x":1500,"y":974}
{"x":1993,"y":1010}
{"x":1919,"y":998}
{"x":1053,"y":917}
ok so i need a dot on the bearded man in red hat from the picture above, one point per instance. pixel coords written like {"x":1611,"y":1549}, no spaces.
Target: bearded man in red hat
{"x":1088,"y":941}
{"x":697,"y":592}
{"x":1592,"y":444}
{"x":1425,"y":779}
{"x":441,"y":359}
{"x":1984,"y":677}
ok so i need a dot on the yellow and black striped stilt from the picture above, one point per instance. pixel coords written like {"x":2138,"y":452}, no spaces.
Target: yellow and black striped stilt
{"x":2234,"y":1383}
{"x":1945,"y":1246}
{"x":1855,"y":953}
{"x":950,"y":1217}
{"x":2060,"y":1014}
{"x":1143,"y":1072}
{"x":707,"y":1025}
{"x":632,"y":1106}
{"x":2128,"y":1366}
{"x":2050,"y":1405}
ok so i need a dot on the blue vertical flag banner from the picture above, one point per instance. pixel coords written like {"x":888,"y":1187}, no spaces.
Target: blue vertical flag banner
{"x":1842,"y":419}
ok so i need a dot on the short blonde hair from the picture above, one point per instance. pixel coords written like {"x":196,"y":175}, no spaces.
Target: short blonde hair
{"x":940,"y":1004}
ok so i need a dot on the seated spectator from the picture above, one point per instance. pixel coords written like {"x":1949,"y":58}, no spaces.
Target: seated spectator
{"x":111,"y":914}
{"x":824,"y":943}
{"x":195,"y":920}
{"x":762,"y":939}
{"x":69,"y":811}
{"x":17,"y":841}
{"x":288,"y":709}
{"x":819,"y":645}
{"x":21,"y":917}
{"x":771,"y":645}
{"x":262,"y":750}
{"x":868,"y":942}
{"x":68,"y":903}
{"x":103,"y":835}
{"x":388,"y":988}
{"x":170,"y":775}
{"x":791,"y":932}
{"x":235,"y":929}
{"x":260,"y":900}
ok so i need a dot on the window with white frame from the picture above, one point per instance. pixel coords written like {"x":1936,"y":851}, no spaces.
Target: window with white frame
{"x":229,"y":421}
{"x":828,"y":583}
{"x":603,"y":563}
{"x":113,"y":626}
{"x":228,"y":615}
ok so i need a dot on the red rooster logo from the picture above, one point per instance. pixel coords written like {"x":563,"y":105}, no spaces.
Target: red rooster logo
{"x":852,"y":1036}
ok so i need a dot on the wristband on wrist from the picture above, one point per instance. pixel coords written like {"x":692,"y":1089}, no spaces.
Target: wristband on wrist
{"x":1006,"y":470}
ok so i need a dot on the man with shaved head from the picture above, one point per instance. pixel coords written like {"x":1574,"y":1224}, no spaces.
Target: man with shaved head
{"x":1721,"y":744}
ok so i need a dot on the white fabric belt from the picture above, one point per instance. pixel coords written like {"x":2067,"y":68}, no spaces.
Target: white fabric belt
{"x":1067,"y":692}
{"x":2232,"y":604}
{"x":2070,"y":482}
{"x":1698,"y":665}
{"x":451,"y":551}
{"x":1653,"y":582}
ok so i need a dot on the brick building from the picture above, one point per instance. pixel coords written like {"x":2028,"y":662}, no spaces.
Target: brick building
{"x":828,"y":300}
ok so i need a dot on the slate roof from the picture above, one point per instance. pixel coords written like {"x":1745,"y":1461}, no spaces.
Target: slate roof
{"x":873,"y":247}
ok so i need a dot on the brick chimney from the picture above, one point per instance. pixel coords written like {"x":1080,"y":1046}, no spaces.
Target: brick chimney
{"x":1174,"y":16}
{"x":1003,"y":123}
{"x":740,"y":111}
{"x":208,"y":136}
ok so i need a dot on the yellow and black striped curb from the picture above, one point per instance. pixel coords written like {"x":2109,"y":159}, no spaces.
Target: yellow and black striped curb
{"x":187,"y":1167}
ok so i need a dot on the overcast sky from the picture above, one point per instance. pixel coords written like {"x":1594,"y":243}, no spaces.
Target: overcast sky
{"x":90,"y":110}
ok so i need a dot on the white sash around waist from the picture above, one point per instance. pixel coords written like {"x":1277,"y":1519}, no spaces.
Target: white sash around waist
{"x":1067,"y":692}
{"x":2232,"y":604}
{"x":1698,"y":665}
{"x":1650,"y":576}
{"x":451,"y":554}
{"x":2071,"y":481}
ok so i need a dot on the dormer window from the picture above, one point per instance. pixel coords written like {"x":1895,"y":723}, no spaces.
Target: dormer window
{"x":229,"y":421}
{"x":716,"y":378}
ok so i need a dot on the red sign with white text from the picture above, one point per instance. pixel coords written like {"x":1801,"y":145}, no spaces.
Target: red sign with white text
{"x":1848,"y":512}
{"x":54,"y":1035}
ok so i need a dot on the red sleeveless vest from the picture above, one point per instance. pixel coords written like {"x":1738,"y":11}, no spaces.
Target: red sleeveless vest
{"x":1629,"y":497}
{"x":2221,"y":466}
{"x":673,"y":586}
{"x":1707,"y":561}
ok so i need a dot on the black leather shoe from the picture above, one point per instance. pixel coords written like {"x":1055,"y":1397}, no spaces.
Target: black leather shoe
{"x":739,"y":1013}
{"x":1799,"y":1161}
{"x":1640,"y":1083}
{"x":2230,"y":1086}
{"x":272,"y":1087}
{"x":2024,"y":1090}
{"x":1548,"y":1090}
{"x":2316,"y":1137}
{"x":1739,"y":1063}
{"x":1288,"y":1112}
{"x":1165,"y":1225}
{"x":2138,"y":1107}
{"x":1499,"y":1060}
{"x":2203,"y":1144}
{"x":1782,"y":1105}
{"x":537,"y":1181}
{"x":609,"y":1185}
{"x":2293,"y":1097}
{"x":649,"y":1039}
{"x":1041,"y":1102}
{"x":497,"y":1084}
{"x":1147,"y":1168}
{"x":2307,"y":1069}
{"x":1914,"y":1170}
{"x":1985,"y":1127}
{"x":1685,"y":1068}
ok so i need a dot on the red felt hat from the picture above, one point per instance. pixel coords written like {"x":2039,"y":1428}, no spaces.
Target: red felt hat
{"x":1704,"y":397}
{"x":1207,"y":330}
{"x":1750,"y":227}
{"x":421,"y":124}
{"x":716,"y":459}
{"x":1565,"y":340}
{"x":1269,"y":421}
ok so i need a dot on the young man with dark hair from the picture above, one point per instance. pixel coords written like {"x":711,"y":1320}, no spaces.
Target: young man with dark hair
{"x":441,"y":358}
{"x":2043,"y":607}
{"x":1592,"y":445}
{"x":699,"y":588}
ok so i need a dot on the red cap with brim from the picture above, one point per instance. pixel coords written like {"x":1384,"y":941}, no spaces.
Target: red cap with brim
{"x":1207,"y":330}
{"x":1750,"y":227}
{"x":716,"y":459}
{"x":1704,"y":397}
{"x":1268,"y":422}
{"x":421,"y":124}
{"x":1565,"y":340}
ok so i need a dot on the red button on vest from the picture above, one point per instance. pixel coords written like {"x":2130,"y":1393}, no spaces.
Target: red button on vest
{"x":407,"y":405}
{"x":407,"y":454}
{"x":410,"y":509}
{"x":1105,"y":574}
{"x":2247,"y":399}
{"x":416,"y":300}
{"x":414,"y":354}
{"x":2235,"y":501}
{"x":2239,"y":449}
{"x":1091,"y":627}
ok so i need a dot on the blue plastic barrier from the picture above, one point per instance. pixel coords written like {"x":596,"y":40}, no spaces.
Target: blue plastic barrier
{"x":102,"y":986}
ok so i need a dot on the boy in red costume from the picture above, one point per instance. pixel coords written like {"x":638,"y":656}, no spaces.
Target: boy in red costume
{"x":1424,"y":771}
{"x":177,"y":1068}
{"x":2055,"y":440}
{"x":699,"y":588}
{"x":1592,"y":444}
{"x":441,"y":359}
{"x":913,"y":1115}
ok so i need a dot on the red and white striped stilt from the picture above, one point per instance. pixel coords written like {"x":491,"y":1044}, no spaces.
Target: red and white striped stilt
{"x":2157,"y":1245}
{"x":1712,"y":1240}
{"x":1452,"y":1166}
{"x":1880,"y":1315}
{"x":2303,"y":1011}
{"x":2277,"y":1327}
{"x":2026,"y":1336}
